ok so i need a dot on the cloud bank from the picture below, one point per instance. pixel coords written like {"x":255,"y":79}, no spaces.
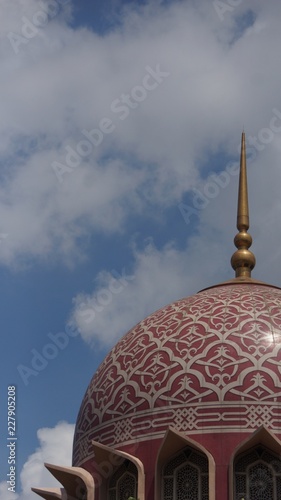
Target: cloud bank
{"x":152,"y":142}
{"x":55,"y":446}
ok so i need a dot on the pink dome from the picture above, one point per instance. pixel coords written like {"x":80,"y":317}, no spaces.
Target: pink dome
{"x":204,"y":365}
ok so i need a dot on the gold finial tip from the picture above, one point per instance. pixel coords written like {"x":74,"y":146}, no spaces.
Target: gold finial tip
{"x":243,"y":261}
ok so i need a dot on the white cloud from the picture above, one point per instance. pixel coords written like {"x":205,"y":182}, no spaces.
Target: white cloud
{"x":45,"y":217}
{"x":64,"y":80}
{"x":122,"y":299}
{"x":5,"y":494}
{"x":55,"y":446}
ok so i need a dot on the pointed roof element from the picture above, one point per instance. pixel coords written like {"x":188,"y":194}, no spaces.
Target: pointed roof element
{"x":243,"y":261}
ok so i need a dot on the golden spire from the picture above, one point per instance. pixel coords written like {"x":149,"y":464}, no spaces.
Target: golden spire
{"x":243,"y":261}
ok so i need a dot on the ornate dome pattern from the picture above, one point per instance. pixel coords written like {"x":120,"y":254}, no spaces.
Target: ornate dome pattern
{"x":206,"y":363}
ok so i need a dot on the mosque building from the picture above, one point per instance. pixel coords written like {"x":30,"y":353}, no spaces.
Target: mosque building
{"x":187,"y":405}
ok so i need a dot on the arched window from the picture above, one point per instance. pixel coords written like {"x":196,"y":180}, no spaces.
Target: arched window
{"x":257,"y":475}
{"x":185,"y":476}
{"x":123,"y":484}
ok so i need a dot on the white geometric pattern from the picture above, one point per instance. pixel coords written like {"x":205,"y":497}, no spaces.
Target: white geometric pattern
{"x":206,"y":363}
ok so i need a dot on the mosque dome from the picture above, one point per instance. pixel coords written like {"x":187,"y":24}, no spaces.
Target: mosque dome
{"x":188,"y":403}
{"x":209,"y":363}
{"x":208,"y":366}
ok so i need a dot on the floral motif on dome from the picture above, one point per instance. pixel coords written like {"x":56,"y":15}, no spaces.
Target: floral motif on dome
{"x":198,"y":364}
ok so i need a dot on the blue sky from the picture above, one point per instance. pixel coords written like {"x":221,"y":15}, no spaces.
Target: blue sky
{"x":119,"y":141}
